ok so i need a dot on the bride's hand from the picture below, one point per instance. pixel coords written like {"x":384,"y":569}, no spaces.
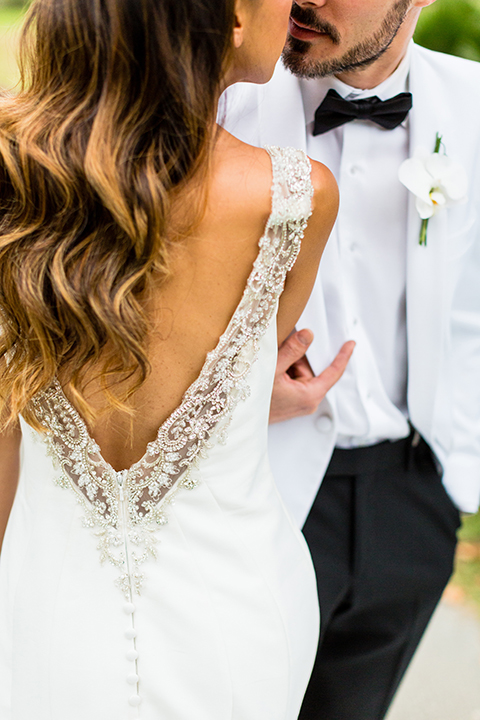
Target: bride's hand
{"x":296,"y":390}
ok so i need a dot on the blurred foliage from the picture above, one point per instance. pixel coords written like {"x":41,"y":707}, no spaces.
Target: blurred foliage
{"x":470,"y":531}
{"x":451,"y":26}
{"x":10,"y":23}
{"x":465,"y":582}
{"x":13,"y":3}
{"x":10,"y":16}
{"x":466,"y":579}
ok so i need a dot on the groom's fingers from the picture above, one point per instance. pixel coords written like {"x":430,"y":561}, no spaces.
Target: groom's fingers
{"x":294,"y":348}
{"x":301,"y":370}
{"x":322,"y":383}
{"x":299,"y":392}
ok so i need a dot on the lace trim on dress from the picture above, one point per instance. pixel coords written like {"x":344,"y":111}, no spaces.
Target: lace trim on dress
{"x":126,"y":508}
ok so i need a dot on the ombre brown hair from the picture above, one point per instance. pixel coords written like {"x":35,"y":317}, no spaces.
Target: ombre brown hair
{"x":115,"y":115}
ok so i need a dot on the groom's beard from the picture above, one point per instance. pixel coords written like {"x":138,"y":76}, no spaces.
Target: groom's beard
{"x":295,"y":54}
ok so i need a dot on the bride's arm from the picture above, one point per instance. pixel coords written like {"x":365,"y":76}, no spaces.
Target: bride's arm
{"x":297,"y":391}
{"x":9,"y":471}
{"x":301,"y":278}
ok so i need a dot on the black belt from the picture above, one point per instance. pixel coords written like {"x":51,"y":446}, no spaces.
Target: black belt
{"x":383,"y":455}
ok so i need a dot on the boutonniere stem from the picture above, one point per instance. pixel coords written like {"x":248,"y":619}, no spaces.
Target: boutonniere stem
{"x":423,"y":229}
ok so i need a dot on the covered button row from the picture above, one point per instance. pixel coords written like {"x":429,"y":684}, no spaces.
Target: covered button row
{"x":132,"y":655}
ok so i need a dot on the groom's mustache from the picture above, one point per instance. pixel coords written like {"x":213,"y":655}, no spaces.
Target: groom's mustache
{"x":308,"y":17}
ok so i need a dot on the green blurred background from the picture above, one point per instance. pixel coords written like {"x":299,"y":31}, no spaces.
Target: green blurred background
{"x":451,"y":26}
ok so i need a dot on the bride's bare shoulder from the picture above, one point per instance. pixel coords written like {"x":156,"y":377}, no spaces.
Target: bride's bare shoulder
{"x":227,"y":145}
{"x":242,"y":173}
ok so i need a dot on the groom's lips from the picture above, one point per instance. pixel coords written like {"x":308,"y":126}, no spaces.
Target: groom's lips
{"x":301,"y":32}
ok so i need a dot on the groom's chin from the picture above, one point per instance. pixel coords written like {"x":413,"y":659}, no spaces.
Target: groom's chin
{"x":297,"y":58}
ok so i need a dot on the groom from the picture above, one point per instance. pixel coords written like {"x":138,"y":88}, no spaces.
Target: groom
{"x":397,"y":439}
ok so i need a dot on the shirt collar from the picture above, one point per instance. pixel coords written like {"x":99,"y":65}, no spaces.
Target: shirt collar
{"x":313,"y":91}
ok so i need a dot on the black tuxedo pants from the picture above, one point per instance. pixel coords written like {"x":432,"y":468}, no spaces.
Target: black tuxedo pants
{"x":382,"y":533}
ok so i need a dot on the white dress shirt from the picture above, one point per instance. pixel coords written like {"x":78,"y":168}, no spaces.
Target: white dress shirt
{"x":363,"y":270}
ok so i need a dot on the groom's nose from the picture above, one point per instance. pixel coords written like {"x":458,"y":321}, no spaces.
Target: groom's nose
{"x":311,"y":3}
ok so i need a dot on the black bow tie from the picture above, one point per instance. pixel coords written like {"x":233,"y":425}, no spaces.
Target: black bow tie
{"x":335,"y":111}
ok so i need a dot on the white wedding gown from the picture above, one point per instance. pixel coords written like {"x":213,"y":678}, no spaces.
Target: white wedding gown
{"x":204,"y":608}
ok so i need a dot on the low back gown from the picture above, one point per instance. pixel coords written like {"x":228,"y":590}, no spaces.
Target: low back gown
{"x":178,"y":589}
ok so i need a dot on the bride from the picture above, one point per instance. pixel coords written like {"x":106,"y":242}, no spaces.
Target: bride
{"x":149,"y":568}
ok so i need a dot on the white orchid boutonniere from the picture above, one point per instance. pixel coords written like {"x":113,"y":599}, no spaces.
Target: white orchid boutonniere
{"x":436,"y":181}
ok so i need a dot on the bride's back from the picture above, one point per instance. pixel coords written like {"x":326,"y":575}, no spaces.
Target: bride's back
{"x":191,"y":308}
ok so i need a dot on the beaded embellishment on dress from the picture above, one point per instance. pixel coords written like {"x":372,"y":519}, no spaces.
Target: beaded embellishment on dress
{"x":126,"y":508}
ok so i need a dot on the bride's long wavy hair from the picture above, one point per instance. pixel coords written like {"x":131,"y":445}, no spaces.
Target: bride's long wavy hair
{"x":115,"y":114}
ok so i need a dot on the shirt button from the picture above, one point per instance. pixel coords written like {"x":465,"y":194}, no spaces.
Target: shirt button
{"x":355,"y":322}
{"x":354,"y":170}
{"x":353,"y":247}
{"x":324,"y":423}
{"x":135,"y":700}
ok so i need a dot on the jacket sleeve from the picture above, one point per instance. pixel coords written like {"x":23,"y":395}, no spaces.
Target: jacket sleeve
{"x":462,"y":464}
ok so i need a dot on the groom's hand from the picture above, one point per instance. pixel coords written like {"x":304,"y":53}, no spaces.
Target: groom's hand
{"x":296,"y":390}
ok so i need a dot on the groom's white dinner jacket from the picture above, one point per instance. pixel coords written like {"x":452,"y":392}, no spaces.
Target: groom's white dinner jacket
{"x":442,"y":283}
